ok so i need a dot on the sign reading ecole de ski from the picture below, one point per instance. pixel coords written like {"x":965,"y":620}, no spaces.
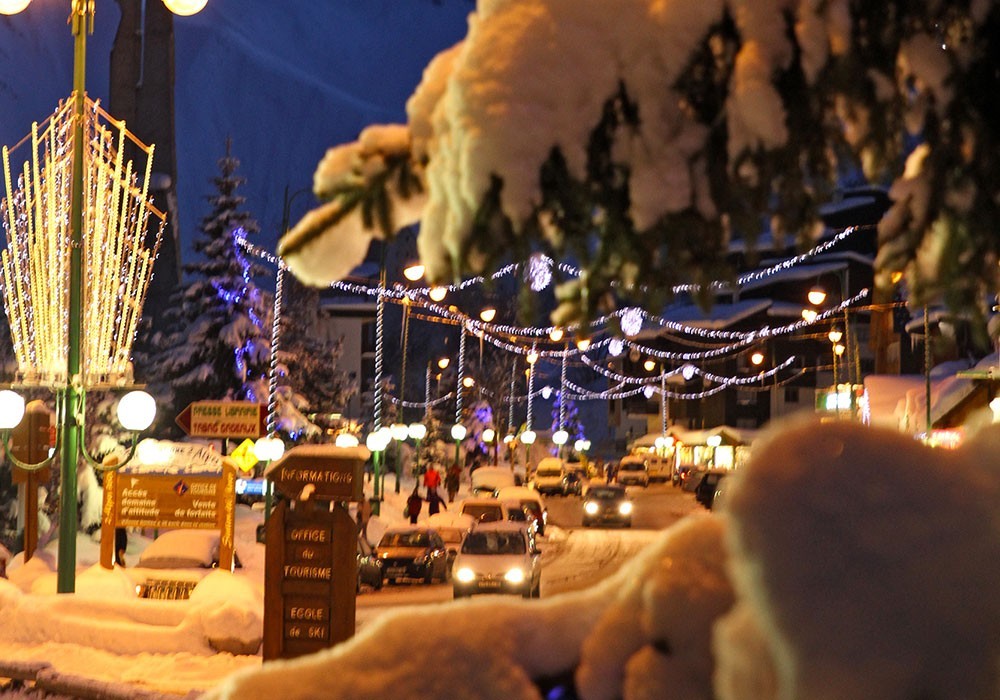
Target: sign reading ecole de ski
{"x":224,"y":419}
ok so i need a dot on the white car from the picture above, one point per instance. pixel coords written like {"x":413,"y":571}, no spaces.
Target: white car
{"x":549,"y":475}
{"x":498,"y":557}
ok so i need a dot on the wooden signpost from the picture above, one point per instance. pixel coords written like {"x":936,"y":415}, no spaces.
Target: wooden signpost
{"x":310,"y":564}
{"x":30,"y":442}
{"x":166,"y":497}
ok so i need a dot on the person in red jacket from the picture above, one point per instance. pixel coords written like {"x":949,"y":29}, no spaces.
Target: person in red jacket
{"x":432,"y":479}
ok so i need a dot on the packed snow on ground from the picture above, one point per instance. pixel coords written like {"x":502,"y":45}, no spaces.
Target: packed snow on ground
{"x":847,"y":562}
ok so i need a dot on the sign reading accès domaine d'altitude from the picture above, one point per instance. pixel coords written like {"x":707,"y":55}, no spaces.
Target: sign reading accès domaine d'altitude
{"x":224,"y":419}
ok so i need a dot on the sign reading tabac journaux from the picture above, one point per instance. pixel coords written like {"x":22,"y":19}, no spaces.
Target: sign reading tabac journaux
{"x":224,"y":419}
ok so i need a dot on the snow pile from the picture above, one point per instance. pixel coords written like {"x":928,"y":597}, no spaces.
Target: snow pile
{"x":222,"y":614}
{"x":865,"y":565}
{"x":851,"y":563}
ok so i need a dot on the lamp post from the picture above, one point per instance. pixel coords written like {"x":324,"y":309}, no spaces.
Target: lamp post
{"x":399,"y":431}
{"x":417,"y":432}
{"x":70,"y":394}
{"x":489,"y":437}
{"x":835,"y":336}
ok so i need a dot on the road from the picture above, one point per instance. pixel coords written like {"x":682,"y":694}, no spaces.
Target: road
{"x":573,"y":557}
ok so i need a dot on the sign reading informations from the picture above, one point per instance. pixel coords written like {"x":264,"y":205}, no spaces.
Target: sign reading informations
{"x":224,"y":419}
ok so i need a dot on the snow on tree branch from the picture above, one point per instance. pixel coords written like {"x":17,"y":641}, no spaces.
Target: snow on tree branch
{"x":637,"y":137}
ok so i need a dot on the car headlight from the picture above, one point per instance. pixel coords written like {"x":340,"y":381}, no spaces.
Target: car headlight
{"x":515,"y":575}
{"x":625,"y":507}
{"x":465,"y":575}
{"x":590,"y":508}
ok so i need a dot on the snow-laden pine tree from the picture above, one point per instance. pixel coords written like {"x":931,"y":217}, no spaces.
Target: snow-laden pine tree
{"x":216,"y":343}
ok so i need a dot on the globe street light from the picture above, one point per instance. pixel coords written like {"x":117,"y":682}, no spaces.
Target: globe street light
{"x":400,"y":431}
{"x":417,"y":431}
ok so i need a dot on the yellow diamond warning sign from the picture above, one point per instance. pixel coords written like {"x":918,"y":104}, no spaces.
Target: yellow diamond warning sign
{"x":244,"y":455}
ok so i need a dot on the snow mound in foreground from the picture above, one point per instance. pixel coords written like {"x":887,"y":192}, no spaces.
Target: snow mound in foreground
{"x":851,"y":562}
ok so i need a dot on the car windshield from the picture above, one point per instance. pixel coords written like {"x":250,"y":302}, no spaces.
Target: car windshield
{"x":605,"y":492}
{"x":405,"y":539}
{"x":549,"y":471}
{"x":517,"y":514}
{"x":483,"y":513}
{"x":494,"y":543}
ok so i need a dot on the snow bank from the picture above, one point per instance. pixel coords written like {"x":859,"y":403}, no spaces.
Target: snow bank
{"x":851,"y":562}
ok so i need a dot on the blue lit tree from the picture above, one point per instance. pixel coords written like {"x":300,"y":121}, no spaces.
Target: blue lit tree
{"x":216,"y":340}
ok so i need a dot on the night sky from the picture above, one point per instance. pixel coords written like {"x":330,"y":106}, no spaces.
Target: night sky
{"x":285,"y":80}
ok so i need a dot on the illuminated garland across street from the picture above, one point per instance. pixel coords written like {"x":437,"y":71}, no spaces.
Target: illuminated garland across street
{"x":616,"y":346}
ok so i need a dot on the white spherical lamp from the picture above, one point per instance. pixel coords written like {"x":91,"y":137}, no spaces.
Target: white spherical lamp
{"x":417,"y":431}
{"x":136,"y":411}
{"x":185,"y":8}
{"x":560,"y":437}
{"x":458,"y":431}
{"x":528,"y":437}
{"x":11,"y":409}
{"x":346,"y":440}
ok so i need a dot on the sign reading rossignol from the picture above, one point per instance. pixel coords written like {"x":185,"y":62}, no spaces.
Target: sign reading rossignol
{"x":224,"y":419}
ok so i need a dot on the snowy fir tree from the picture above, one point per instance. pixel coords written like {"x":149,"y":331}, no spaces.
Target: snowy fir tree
{"x":216,"y":343}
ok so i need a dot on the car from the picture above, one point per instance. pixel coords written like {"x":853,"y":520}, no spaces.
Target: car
{"x":453,"y":527}
{"x":487,"y":480}
{"x":548,"y":478}
{"x":708,"y":486}
{"x":527,"y":498}
{"x":416,"y":552}
{"x":633,"y":471}
{"x":369,"y":566}
{"x":484,"y":509}
{"x":516,"y":513}
{"x":498,"y":557}
{"x":607,"y":504}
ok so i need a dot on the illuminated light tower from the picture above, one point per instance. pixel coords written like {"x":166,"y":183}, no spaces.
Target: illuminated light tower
{"x":77,"y":280}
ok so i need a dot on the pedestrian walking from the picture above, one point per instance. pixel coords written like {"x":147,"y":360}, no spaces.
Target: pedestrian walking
{"x":432,"y":478}
{"x":413,"y":505}
{"x":452,"y":480}
{"x":434,"y":502}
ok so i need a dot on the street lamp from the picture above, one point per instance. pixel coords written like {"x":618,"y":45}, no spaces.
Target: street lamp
{"x":417,"y":431}
{"x":489,"y":436}
{"x":458,"y":433}
{"x":413,"y":272}
{"x":71,"y":388}
{"x":399,"y":432}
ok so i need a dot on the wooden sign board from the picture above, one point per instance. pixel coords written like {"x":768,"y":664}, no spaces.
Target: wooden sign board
{"x":196,"y":501}
{"x":224,"y":419}
{"x":324,"y":472}
{"x":310,"y":578}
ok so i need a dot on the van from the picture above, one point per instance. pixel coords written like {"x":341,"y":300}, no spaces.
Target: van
{"x":549,"y":475}
{"x":632,"y":471}
{"x":659,"y":468}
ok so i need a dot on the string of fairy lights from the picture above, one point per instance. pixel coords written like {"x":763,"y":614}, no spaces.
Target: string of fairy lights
{"x":537,"y":273}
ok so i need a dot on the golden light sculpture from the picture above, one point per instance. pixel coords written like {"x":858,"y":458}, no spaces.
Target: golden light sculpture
{"x":118,"y":249}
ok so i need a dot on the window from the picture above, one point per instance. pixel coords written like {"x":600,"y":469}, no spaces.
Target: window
{"x":746,"y":398}
{"x":791,"y":394}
